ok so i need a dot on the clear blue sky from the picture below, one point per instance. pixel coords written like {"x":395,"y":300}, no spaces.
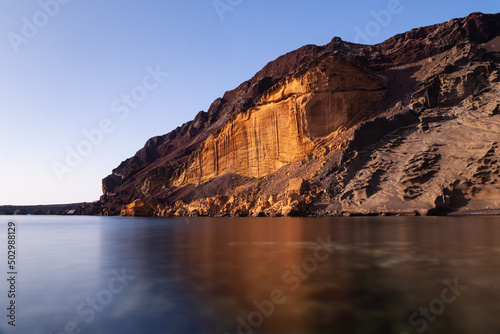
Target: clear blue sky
{"x":69,"y":69}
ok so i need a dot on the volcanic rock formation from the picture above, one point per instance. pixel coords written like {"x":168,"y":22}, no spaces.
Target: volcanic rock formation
{"x":408,"y":126}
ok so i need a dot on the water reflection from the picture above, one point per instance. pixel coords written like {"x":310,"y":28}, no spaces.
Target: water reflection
{"x":380,"y":272}
{"x":363,"y":275}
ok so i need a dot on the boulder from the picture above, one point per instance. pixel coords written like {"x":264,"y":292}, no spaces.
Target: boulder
{"x":297,"y":201}
{"x":273,"y":199}
{"x":296,"y":186}
{"x":290,"y":211}
{"x":181,"y":212}
{"x":138,"y":208}
{"x":241,"y":213}
{"x":194,"y":213}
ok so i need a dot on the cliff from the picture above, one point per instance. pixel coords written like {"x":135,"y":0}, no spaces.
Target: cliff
{"x":148,"y":171}
{"x":408,"y":126}
{"x":281,"y":128}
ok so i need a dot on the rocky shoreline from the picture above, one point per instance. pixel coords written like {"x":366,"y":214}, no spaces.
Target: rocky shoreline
{"x":295,"y":202}
{"x":214,"y":207}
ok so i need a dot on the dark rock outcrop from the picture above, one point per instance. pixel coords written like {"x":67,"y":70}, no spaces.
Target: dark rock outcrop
{"x":20,"y":212}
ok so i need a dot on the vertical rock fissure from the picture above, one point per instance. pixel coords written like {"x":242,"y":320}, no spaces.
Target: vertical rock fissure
{"x":277,"y":134}
{"x":256,"y":143}
{"x":200,"y":169}
{"x":297,"y":119}
{"x":216,"y":160}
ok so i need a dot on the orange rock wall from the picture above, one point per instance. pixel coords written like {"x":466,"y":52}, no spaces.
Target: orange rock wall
{"x":281,"y":128}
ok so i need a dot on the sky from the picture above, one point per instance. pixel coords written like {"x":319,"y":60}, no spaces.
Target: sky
{"x":85,"y":83}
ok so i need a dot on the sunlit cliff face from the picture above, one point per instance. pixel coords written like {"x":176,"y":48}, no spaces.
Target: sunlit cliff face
{"x":282,"y":126}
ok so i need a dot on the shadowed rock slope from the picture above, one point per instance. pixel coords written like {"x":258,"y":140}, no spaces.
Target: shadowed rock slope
{"x":408,"y":126}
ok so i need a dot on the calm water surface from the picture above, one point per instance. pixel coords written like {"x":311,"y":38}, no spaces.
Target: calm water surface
{"x":305,"y":276}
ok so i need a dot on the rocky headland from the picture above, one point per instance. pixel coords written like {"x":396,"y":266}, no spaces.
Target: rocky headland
{"x":57,"y":209}
{"x":410,"y":126}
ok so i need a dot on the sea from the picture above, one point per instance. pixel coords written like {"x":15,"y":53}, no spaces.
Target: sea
{"x":366,"y":275}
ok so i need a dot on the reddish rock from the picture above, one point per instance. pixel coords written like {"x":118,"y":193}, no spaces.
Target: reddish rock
{"x":138,"y":208}
{"x":340,"y":123}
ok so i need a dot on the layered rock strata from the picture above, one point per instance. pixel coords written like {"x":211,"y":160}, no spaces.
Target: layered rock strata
{"x":282,"y":126}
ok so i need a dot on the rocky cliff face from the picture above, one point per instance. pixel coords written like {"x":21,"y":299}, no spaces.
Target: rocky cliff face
{"x":150,"y":169}
{"x":282,"y":126}
{"x":409,"y":126}
{"x":449,"y":159}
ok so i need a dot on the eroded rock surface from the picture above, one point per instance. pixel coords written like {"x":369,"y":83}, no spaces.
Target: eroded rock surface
{"x":408,"y":126}
{"x":312,"y":103}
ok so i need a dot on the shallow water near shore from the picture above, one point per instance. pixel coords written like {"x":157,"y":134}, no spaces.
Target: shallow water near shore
{"x":254,"y":275}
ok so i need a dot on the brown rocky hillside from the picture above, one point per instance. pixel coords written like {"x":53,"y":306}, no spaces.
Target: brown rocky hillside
{"x":408,"y":126}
